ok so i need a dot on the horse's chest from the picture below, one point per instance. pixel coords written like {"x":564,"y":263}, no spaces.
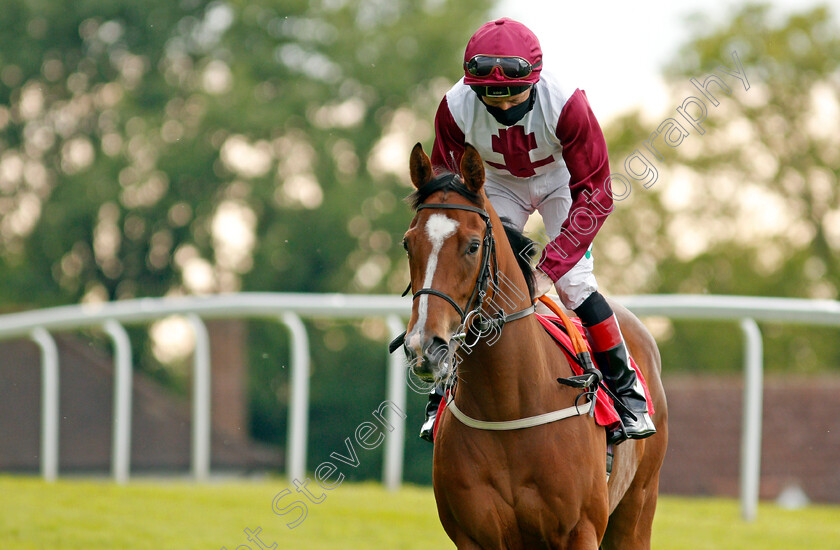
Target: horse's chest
{"x":497,"y":503}
{"x":515,"y":490}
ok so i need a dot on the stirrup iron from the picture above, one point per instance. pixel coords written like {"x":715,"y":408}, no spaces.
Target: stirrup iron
{"x":582,"y":381}
{"x":590,"y":378}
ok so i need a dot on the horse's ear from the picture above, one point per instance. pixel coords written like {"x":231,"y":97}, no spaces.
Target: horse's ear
{"x":420,"y":167}
{"x":472,"y":168}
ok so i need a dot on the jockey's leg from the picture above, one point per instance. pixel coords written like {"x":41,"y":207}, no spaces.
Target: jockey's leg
{"x":427,"y":431}
{"x":612,"y":358}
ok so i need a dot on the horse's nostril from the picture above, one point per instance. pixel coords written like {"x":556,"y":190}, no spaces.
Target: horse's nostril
{"x":426,"y":356}
{"x":437,"y":350}
{"x":412,"y":345}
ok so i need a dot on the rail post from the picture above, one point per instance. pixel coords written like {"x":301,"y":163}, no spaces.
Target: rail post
{"x":751,"y":434}
{"x":200,"y":460}
{"x":392,"y":470}
{"x":121,"y":443}
{"x":298,"y":397}
{"x":49,"y":403}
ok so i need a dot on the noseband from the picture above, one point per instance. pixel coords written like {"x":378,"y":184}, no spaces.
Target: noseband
{"x":489,"y":271}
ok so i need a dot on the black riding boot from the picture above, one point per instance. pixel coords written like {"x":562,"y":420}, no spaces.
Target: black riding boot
{"x":427,"y":431}
{"x":612,"y":359}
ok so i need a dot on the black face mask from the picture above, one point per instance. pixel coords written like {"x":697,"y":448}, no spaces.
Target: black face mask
{"x":513,"y":115}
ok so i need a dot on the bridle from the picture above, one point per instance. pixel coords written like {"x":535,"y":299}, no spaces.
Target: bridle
{"x":473,"y":310}
{"x":488,"y":272}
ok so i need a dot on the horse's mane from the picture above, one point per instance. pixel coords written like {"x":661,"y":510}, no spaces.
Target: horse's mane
{"x":522,"y":246}
{"x":525,"y":251}
{"x":446,"y":181}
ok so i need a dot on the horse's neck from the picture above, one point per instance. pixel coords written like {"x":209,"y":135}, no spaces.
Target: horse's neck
{"x":507,"y":377}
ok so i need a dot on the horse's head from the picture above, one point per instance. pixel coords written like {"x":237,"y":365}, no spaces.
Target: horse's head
{"x":450,"y":253}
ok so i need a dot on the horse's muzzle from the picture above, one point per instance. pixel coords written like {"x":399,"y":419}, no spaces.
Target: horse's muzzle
{"x":428,"y":359}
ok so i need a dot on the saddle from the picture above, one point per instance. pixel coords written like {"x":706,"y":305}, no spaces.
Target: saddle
{"x":577,"y":350}
{"x":605,"y":413}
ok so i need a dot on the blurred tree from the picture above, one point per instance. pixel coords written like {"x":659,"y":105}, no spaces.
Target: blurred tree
{"x":752,"y":205}
{"x":210,"y":146}
{"x":161,"y":148}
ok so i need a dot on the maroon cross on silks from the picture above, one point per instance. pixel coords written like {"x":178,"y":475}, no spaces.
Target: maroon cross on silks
{"x":514,"y":146}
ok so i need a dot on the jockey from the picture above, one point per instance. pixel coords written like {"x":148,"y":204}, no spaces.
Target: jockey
{"x":543,"y":150}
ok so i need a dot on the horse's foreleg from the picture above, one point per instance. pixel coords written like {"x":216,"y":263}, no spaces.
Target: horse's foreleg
{"x":464,"y":542}
{"x":584,"y":537}
{"x":631,"y":524}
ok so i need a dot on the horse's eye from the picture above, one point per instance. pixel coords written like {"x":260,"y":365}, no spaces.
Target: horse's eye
{"x":405,"y":245}
{"x":473,"y":248}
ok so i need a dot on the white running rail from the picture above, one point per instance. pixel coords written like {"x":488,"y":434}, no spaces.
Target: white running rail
{"x":289,"y":308}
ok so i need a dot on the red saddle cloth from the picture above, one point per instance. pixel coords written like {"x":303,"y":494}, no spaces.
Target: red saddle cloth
{"x":605,"y":413}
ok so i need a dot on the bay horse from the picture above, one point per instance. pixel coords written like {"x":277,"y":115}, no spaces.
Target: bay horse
{"x":537,"y":487}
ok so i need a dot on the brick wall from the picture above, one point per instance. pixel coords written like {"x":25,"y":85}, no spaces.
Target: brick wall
{"x":800,"y":436}
{"x":229,"y":393}
{"x":161,"y":421}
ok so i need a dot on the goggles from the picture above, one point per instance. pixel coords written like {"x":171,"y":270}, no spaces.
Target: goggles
{"x":515,"y":68}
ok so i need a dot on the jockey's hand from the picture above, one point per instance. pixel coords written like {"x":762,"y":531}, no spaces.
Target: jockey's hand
{"x":543,"y":283}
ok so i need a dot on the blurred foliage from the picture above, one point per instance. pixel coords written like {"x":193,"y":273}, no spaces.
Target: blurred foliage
{"x":192,"y":146}
{"x":167,"y":148}
{"x":749,"y":207}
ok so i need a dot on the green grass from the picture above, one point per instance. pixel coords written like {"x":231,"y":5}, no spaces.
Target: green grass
{"x":161,"y":515}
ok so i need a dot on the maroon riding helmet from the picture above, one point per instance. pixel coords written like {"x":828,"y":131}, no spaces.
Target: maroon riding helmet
{"x":502,"y":58}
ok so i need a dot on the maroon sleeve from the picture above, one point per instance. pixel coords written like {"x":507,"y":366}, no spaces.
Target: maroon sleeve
{"x":449,"y":141}
{"x":585,"y":154}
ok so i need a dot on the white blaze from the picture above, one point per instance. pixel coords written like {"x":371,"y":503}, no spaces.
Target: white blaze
{"x":438,"y":228}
